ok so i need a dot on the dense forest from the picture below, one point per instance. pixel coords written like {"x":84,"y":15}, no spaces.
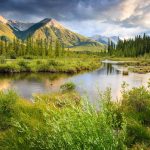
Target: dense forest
{"x":30,"y":47}
{"x":138,"y":46}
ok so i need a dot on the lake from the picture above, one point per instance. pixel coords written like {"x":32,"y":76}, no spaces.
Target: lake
{"x":87,"y":84}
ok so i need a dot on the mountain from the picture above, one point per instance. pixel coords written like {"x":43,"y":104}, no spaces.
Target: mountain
{"x":51,"y":29}
{"x":48,"y":29}
{"x":104,"y":39}
{"x":5,"y":30}
{"x":19,"y":25}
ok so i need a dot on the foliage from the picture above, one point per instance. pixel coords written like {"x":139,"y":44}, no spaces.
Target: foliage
{"x":30,"y":48}
{"x":43,"y":126}
{"x":66,"y":121}
{"x":7,"y":108}
{"x":69,"y":86}
{"x":136,"y":107}
{"x":60,"y":65}
{"x":139,"y":46}
{"x":2,"y":60}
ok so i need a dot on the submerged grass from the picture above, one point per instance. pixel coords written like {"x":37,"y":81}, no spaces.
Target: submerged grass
{"x":140,"y":67}
{"x":137,"y":65}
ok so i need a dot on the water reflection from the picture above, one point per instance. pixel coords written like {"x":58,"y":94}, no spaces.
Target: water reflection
{"x":110,"y":69}
{"x":88,"y":84}
{"x":28,"y":84}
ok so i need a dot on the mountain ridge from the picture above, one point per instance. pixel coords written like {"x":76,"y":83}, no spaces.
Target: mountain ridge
{"x":18,"y":25}
{"x":104,"y":39}
{"x":3,"y":20}
{"x":51,"y":29}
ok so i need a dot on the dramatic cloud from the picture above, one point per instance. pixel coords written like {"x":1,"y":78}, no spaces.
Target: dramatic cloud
{"x":102,"y":16}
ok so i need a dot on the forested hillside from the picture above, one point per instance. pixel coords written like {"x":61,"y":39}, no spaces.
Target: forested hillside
{"x":138,"y":46}
{"x":31,"y":47}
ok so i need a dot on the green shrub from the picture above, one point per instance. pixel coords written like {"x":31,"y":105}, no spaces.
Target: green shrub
{"x":2,"y":60}
{"x":43,"y":67}
{"x":137,"y":133}
{"x":69,"y":86}
{"x":68,"y":128}
{"x":12,"y":54}
{"x":28,"y":57}
{"x":137,"y":103}
{"x":38,"y":62}
{"x":136,"y":107}
{"x":24,"y":65}
{"x":7,"y":108}
{"x":9,"y":68}
{"x":55,"y":122}
{"x":54,"y":63}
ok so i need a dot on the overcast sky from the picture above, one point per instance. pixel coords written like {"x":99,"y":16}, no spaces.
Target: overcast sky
{"x":123,"y":18}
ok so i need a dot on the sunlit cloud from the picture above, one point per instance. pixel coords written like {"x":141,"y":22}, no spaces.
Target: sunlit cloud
{"x":88,"y":17}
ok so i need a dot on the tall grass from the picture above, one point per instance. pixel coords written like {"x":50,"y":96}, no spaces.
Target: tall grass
{"x":44,"y":126}
{"x":61,"y":65}
{"x":72,"y":125}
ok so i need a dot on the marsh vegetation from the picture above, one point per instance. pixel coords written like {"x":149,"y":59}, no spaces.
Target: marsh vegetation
{"x":67,"y":121}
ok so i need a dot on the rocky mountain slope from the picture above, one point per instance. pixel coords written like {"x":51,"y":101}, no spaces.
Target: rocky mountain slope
{"x":47,"y":29}
{"x":5,"y":30}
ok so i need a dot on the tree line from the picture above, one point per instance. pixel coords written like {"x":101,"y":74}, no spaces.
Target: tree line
{"x":138,"y":46}
{"x":31,"y":47}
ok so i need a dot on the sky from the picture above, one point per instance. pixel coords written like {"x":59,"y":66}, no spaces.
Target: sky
{"x":124,"y":18}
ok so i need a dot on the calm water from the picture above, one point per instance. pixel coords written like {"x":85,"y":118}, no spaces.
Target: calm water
{"x":88,"y":84}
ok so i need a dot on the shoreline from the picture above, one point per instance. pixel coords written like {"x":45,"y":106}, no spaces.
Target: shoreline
{"x":72,"y":66}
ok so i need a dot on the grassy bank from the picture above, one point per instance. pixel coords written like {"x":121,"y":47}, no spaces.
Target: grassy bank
{"x":140,"y":67}
{"x":58,"y":65}
{"x":65,"y":121}
{"x":137,"y":65}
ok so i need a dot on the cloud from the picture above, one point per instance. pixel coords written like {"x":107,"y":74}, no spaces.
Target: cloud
{"x":129,"y":15}
{"x":93,"y":27}
{"x":123,"y":12}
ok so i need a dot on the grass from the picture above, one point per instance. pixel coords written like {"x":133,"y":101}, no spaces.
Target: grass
{"x":140,"y":69}
{"x":140,"y":66}
{"x":64,"y":120}
{"x":58,"y":65}
{"x":137,"y":65}
{"x":136,"y":108}
{"x":46,"y":125}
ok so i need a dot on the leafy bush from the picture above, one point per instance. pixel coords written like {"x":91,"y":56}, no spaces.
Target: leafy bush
{"x":12,"y":54}
{"x":7,"y":108}
{"x":2,"y":60}
{"x":136,"y":107}
{"x":49,"y":65}
{"x":28,"y":57}
{"x":24,"y":65}
{"x":68,"y":128}
{"x":9,"y":68}
{"x":54,"y":63}
{"x":69,"y":86}
{"x":38,"y":62}
{"x":60,"y":121}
